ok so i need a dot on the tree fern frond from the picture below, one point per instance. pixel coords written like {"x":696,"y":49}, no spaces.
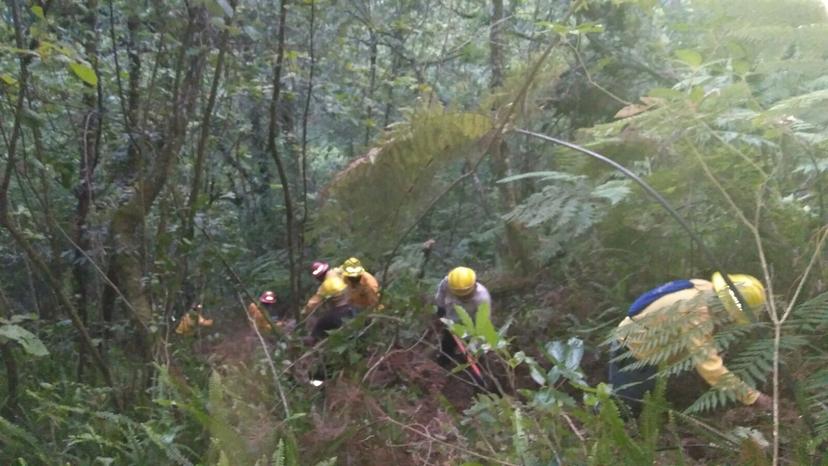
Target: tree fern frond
{"x":278,"y":458}
{"x":566,"y":208}
{"x":797,"y":104}
{"x":404,"y":170}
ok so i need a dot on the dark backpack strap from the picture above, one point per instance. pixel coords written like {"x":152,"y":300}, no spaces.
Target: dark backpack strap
{"x":647,"y":298}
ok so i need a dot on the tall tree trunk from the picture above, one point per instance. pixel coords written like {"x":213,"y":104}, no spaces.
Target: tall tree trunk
{"x":303,"y":166}
{"x":372,"y":79}
{"x":88,"y":161}
{"x":516,"y":256}
{"x":272,"y":133}
{"x":125,"y":171}
{"x":198,"y":174}
{"x":495,"y":45}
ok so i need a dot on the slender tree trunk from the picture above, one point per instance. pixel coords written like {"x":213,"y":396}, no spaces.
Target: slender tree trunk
{"x":495,"y":44}
{"x":515,"y":256}
{"x":396,"y":63}
{"x":372,"y":79}
{"x":198,"y":174}
{"x":272,"y":133}
{"x":127,"y":170}
{"x":304,"y":154}
{"x":88,"y":161}
{"x":10,"y":408}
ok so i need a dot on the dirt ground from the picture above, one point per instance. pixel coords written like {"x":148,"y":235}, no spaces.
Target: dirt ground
{"x":417,"y":427}
{"x":412,"y":423}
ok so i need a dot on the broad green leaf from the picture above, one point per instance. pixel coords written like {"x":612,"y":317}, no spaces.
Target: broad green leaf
{"x":575,"y":353}
{"x":691,"y":57}
{"x":553,"y":375}
{"x":85,"y":73}
{"x":38,"y":11}
{"x":464,"y":317}
{"x":26,"y":339}
{"x":8,"y":79}
{"x":483,"y":325}
{"x":556,"y":351}
{"x":537,"y":375}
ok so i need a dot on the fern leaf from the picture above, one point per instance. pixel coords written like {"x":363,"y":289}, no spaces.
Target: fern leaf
{"x":379,"y":194}
{"x":278,"y":458}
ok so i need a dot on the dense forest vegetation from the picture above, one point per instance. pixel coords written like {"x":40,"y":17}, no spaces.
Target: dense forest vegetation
{"x":163,"y":156}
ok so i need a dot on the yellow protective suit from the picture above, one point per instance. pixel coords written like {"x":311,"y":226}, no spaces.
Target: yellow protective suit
{"x":693,"y":319}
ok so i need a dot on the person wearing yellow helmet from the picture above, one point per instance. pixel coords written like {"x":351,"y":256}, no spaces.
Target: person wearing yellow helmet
{"x":459,"y":288}
{"x":678,"y":319}
{"x":336,"y":308}
{"x":363,"y":288}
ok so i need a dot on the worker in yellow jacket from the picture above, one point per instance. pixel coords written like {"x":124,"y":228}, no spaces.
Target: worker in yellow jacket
{"x":673,"y":323}
{"x":363,"y":289}
{"x":267,"y":301}
{"x":321,"y":271}
{"x":335,"y":308}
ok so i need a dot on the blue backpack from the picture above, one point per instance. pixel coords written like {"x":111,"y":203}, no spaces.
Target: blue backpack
{"x":647,"y":298}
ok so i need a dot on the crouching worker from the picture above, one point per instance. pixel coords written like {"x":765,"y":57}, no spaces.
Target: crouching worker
{"x":674,"y":323}
{"x":459,"y":288}
{"x":267,"y":301}
{"x":334,"y":310}
{"x":193,"y":319}
{"x":363,"y":288}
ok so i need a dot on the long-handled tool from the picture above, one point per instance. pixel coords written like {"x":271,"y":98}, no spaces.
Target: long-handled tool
{"x":478,"y":374}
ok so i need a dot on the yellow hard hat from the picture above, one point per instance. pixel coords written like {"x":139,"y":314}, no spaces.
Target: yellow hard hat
{"x":749,"y":287}
{"x":333,"y":286}
{"x":462,"y":281}
{"x":352,"y":268}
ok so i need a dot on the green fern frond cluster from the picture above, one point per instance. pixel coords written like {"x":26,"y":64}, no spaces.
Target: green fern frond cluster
{"x":378,"y":195}
{"x":564,"y":209}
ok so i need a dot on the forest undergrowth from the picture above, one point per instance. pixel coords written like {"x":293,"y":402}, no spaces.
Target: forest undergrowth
{"x":165,"y":159}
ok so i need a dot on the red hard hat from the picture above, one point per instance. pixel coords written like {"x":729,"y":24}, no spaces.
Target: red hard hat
{"x":268,"y":297}
{"x":319,"y":269}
